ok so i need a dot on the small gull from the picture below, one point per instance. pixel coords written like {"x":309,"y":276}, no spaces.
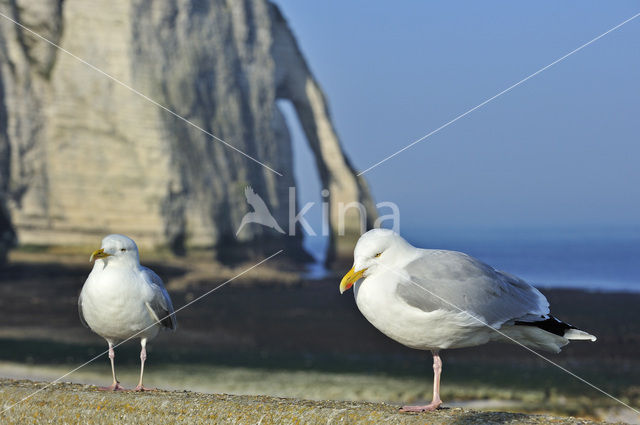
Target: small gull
{"x":436,"y":299}
{"x":121,"y":299}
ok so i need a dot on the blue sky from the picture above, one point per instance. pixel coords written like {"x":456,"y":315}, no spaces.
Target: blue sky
{"x":560,"y":151}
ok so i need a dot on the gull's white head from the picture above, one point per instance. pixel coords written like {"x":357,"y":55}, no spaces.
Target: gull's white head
{"x":117,"y":249}
{"x":374,"y":248}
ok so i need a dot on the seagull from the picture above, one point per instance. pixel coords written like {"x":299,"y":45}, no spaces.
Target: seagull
{"x":436,"y":299}
{"x":122,"y":299}
{"x":260,"y":214}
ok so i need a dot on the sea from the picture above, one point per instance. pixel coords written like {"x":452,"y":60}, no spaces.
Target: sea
{"x":594,"y":259}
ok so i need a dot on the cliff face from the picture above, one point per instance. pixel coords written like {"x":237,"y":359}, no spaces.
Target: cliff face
{"x":83,"y":156}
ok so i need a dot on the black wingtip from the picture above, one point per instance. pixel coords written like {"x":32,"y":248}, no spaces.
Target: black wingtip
{"x":551,"y":325}
{"x":170,"y":322}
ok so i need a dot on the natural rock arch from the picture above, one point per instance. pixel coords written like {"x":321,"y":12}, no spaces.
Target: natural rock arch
{"x":89,"y":157}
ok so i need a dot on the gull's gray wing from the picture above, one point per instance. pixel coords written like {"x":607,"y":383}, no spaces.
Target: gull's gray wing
{"x":444,"y":279}
{"x":160,"y":306}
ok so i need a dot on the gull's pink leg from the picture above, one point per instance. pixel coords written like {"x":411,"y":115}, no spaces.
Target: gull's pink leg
{"x":436,"y":402}
{"x":116,"y":385}
{"x":143,"y":357}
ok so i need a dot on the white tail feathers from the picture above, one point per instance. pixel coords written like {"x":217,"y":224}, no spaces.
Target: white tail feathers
{"x":578,"y":334}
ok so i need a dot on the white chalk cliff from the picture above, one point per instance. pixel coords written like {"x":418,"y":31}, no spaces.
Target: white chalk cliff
{"x":82,"y":156}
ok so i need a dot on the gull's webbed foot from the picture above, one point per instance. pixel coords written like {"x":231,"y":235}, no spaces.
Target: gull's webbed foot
{"x":141,"y":388}
{"x":113,"y":387}
{"x":428,"y":408}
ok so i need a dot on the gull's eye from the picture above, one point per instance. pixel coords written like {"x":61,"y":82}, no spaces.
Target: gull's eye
{"x":123,"y":249}
{"x":378,"y":254}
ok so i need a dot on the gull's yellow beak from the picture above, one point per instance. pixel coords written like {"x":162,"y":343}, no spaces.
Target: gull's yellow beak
{"x":350,"y":278}
{"x":99,"y":253}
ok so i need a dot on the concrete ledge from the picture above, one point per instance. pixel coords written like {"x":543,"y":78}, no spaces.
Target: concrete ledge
{"x":73,"y":403}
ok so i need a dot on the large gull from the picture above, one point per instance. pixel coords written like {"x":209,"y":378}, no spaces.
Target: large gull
{"x":436,"y":299}
{"x":121,"y":299}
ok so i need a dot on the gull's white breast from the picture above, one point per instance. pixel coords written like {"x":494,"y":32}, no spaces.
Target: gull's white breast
{"x":378,"y":301}
{"x":114,"y":303}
